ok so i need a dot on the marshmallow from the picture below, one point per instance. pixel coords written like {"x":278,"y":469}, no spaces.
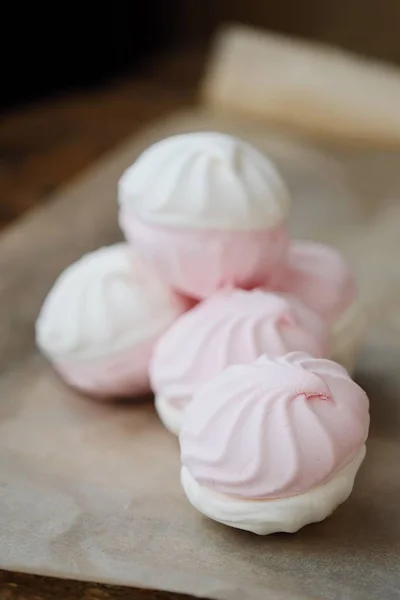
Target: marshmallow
{"x":320,"y":277}
{"x":233,"y":327}
{"x":101,"y":319}
{"x":207,"y":210}
{"x":274,"y":445}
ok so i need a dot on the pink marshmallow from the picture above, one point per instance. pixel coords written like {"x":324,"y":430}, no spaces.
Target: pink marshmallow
{"x":275,"y":428}
{"x":319,"y":276}
{"x":233,"y":327}
{"x":199,"y":262}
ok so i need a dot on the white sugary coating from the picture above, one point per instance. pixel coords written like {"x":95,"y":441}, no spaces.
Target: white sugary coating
{"x":205,"y":180}
{"x":270,"y":516}
{"x":106,"y":302}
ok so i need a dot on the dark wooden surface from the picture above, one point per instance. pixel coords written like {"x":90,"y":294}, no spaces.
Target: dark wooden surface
{"x":18,"y":586}
{"x":41,"y":148}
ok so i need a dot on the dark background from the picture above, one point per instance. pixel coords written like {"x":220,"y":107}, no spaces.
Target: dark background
{"x":47,"y":50}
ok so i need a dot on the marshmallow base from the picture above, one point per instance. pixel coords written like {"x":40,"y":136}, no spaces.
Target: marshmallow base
{"x":171,"y":417}
{"x":279,"y":514}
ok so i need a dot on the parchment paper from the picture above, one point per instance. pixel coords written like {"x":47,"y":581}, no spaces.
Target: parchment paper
{"x":92,"y":491}
{"x":320,"y":91}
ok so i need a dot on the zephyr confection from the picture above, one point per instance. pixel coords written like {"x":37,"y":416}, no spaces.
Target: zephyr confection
{"x":101,"y":319}
{"x":274,"y":445}
{"x":206,"y":210}
{"x":321,"y":278}
{"x":232,"y":327}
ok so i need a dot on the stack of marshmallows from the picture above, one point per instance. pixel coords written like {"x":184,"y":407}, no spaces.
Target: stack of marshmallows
{"x":233,"y":325}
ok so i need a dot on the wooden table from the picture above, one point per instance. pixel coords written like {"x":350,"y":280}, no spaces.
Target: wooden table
{"x":42,"y":147}
{"x":17,"y":586}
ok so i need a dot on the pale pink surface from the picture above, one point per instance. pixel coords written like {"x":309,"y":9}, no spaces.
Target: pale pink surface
{"x":123,"y":374}
{"x":232,"y":327}
{"x":275,"y":428}
{"x":320,"y":277}
{"x":198,"y":261}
